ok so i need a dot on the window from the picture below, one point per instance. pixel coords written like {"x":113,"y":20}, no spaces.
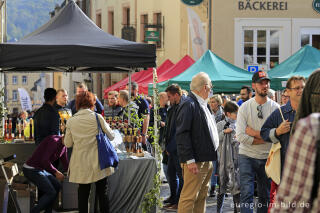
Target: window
{"x":261,"y":46}
{"x":24,"y":79}
{"x":126,"y":16}
{"x":310,"y":37}
{"x":14,"y":79}
{"x":143,"y":22}
{"x":14,"y":95}
{"x":157,"y":21}
{"x":98,"y":19}
{"x":111,"y":22}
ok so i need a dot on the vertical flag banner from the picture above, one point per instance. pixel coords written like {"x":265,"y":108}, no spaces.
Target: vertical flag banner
{"x":25,"y":99}
{"x":197,"y":34}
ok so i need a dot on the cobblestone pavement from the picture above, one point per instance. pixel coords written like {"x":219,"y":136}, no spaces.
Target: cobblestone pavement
{"x":211,"y":201}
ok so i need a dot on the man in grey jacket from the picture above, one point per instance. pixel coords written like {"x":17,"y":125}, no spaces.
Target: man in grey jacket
{"x":253,"y":151}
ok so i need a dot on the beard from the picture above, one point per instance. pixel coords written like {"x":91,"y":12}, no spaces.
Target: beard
{"x":262,"y":93}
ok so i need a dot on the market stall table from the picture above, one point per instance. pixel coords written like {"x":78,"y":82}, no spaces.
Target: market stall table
{"x":129,"y":184}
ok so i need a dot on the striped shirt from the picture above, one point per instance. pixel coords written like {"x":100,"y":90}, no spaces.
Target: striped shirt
{"x":296,"y":185}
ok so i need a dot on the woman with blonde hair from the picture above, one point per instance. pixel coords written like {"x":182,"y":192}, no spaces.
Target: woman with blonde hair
{"x":215,"y":104}
{"x":84,"y":167}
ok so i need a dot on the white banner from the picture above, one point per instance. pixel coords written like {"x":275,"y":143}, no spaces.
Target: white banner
{"x":25,"y":99}
{"x":198,"y":36}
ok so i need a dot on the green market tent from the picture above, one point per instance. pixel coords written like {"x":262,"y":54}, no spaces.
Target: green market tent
{"x":225,"y":77}
{"x":303,"y":63}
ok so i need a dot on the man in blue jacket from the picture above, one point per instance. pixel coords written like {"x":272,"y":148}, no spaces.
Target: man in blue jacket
{"x":175,"y":97}
{"x":197,"y":141}
{"x":275,"y":129}
{"x":82,"y":88}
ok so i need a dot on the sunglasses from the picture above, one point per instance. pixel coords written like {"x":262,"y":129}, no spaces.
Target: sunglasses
{"x":260,"y":115}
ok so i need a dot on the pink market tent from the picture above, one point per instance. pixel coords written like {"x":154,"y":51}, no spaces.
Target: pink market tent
{"x":177,"y":69}
{"x":139,"y":77}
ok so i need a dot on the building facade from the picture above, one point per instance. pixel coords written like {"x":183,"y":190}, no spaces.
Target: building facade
{"x":264,"y":33}
{"x":133,"y":19}
{"x":33,"y":83}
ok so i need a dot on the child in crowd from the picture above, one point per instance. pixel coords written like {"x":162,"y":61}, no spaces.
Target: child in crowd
{"x":228,"y":157}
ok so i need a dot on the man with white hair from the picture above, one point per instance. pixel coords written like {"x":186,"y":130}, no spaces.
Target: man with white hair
{"x":197,"y":141}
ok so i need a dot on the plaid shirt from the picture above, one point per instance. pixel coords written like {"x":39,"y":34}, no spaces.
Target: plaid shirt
{"x":296,"y":185}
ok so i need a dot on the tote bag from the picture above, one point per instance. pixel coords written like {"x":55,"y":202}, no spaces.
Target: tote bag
{"x":107,"y":154}
{"x":273,"y":164}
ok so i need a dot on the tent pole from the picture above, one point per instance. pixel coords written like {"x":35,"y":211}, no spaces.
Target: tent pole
{"x":155,"y":100}
{"x":129,"y":89}
{"x":157,"y":149}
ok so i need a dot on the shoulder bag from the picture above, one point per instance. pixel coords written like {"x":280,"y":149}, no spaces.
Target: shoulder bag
{"x":107,"y":154}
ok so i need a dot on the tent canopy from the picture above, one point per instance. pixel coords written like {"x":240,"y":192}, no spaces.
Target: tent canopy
{"x":72,"y":42}
{"x":225,"y":77}
{"x":140,"y":78}
{"x":174,"y":71}
{"x":303,"y":63}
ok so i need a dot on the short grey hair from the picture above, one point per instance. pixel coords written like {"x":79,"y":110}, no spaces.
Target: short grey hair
{"x":271,"y":93}
{"x":199,"y":80}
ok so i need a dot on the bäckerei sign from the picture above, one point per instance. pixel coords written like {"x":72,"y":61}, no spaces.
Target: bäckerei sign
{"x":316,"y":5}
{"x":263,"y":5}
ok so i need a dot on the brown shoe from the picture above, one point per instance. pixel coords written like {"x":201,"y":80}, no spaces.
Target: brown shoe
{"x":167,"y":206}
{"x":172,"y":208}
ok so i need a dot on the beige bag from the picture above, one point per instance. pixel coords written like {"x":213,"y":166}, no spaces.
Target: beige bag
{"x":273,"y":164}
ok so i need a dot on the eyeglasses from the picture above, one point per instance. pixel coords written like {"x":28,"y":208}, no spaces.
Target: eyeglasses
{"x":209,"y":86}
{"x":297,"y":88}
{"x":260,"y":115}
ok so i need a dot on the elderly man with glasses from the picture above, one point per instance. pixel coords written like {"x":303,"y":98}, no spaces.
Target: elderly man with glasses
{"x":253,"y":150}
{"x":197,"y":141}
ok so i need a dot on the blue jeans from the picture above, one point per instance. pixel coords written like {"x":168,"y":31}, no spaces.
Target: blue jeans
{"x":249,"y":169}
{"x":47,"y":184}
{"x":214,"y":177}
{"x":175,"y":177}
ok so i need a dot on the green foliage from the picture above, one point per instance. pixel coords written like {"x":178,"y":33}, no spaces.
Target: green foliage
{"x":152,"y":198}
{"x":25,"y":16}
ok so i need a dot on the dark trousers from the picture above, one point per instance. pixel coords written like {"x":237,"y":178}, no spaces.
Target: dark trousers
{"x":175,"y":177}
{"x":101,"y":196}
{"x":236,"y":202}
{"x":47,"y":184}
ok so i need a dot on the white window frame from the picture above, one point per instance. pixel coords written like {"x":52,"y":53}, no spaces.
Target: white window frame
{"x":16,"y":79}
{"x":310,"y":32}
{"x":26,"y":81}
{"x":255,"y":43}
{"x":283,"y":24}
{"x":297,"y":25}
{"x":14,"y":95}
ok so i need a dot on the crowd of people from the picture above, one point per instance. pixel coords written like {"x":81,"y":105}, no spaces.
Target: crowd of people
{"x":228,"y":142}
{"x":207,"y":141}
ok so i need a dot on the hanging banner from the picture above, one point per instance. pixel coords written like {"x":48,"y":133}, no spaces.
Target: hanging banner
{"x":198,"y":36}
{"x":25,"y":100}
